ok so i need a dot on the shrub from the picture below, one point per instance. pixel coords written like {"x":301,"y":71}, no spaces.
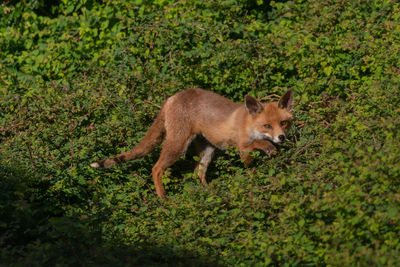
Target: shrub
{"x":82,"y":80}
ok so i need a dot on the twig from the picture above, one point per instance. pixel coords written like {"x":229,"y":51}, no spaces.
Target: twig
{"x":151,"y":103}
{"x":304,"y":148}
{"x":251,"y":200}
{"x":376,"y":144}
{"x":71,"y":155}
{"x":271,"y":97}
{"x":151,"y":190}
{"x":31,"y":158}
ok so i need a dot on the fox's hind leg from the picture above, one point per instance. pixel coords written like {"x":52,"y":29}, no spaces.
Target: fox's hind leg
{"x":205,"y":152}
{"x":174,"y":145}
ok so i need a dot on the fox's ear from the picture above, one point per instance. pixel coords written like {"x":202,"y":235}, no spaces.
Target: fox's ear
{"x":286,"y":100}
{"x":252,"y":105}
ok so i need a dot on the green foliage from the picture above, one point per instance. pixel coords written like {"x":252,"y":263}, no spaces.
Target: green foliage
{"x":82,"y":80}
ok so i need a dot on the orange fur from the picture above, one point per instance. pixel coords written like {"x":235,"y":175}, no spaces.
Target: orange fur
{"x":190,"y":114}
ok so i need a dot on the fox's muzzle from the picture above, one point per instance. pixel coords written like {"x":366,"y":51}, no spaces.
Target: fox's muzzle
{"x":279,"y":139}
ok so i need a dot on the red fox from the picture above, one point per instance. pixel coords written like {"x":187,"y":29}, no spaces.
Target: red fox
{"x":210,"y":121}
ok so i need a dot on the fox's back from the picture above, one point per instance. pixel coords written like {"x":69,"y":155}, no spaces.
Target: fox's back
{"x":199,"y":106}
{"x":204,"y":112}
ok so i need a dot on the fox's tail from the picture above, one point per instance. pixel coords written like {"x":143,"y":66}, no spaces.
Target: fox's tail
{"x":153,"y":137}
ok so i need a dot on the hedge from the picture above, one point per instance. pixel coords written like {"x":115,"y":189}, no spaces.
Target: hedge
{"x":82,"y":80}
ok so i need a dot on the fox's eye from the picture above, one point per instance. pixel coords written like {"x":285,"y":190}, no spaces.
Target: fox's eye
{"x":267,"y":126}
{"x":284,"y":123}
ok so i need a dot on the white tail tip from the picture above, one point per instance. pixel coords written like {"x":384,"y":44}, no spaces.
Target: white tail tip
{"x":95,"y":165}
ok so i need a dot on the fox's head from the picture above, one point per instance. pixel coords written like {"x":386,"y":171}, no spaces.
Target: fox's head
{"x":269,"y":120}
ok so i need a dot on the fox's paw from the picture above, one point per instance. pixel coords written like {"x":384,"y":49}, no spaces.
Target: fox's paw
{"x":271,"y":150}
{"x":272,"y":153}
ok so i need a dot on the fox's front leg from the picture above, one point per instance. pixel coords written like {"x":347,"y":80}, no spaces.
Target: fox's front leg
{"x":263,"y":145}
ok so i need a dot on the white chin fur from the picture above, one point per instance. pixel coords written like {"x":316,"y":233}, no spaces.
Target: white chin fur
{"x":276,"y":140}
{"x":95,"y":165}
{"x":256,"y":135}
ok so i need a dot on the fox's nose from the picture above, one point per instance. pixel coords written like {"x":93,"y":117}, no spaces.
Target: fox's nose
{"x":282,"y":137}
